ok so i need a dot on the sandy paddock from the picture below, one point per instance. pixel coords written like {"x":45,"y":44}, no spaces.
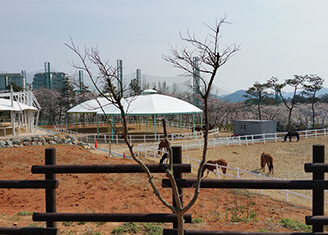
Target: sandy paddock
{"x":288,"y":160}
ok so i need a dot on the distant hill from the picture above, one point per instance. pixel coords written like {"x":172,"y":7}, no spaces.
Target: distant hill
{"x":183,"y":83}
{"x":238,"y":96}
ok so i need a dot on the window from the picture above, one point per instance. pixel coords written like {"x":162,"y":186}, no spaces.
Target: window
{"x":243,"y":127}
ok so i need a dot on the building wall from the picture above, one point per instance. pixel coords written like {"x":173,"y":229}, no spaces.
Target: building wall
{"x":7,"y":78}
{"x":251,"y":127}
{"x":56,"y":80}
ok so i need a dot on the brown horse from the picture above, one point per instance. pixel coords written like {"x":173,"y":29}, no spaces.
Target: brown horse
{"x":162,"y":145}
{"x":267,"y":158}
{"x":220,"y":162}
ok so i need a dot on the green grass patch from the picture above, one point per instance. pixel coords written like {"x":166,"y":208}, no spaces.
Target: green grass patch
{"x":295,"y":225}
{"x":197,"y":221}
{"x":136,"y":228}
{"x":24,"y":213}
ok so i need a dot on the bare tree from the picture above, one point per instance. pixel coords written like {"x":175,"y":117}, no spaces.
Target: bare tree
{"x":210,"y":60}
{"x":216,"y":110}
{"x":49,"y":101}
{"x":315,"y":83}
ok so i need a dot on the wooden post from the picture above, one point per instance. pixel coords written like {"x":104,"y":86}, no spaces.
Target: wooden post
{"x":177,"y":159}
{"x":318,"y":194}
{"x":50,"y":159}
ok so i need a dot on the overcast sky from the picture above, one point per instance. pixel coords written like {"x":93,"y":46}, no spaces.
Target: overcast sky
{"x":277,"y":38}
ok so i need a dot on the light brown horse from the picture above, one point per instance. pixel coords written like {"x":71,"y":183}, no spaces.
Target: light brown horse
{"x":220,"y":162}
{"x":162,"y":146}
{"x":267,"y":158}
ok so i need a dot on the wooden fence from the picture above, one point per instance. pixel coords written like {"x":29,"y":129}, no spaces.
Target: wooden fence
{"x":318,"y":185}
{"x":50,"y":184}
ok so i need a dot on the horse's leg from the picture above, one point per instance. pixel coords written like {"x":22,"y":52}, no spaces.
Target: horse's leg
{"x":207,"y":172}
{"x":270,"y":167}
{"x":262,"y":165}
{"x":290,"y":138}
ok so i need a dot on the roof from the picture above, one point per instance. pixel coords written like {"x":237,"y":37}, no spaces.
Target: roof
{"x":90,"y":106}
{"x":5,"y":105}
{"x":150,"y":104}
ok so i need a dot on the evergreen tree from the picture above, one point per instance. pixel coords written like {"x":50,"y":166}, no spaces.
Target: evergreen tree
{"x":134,"y":87}
{"x":259,"y":92}
{"x":14,"y":86}
{"x":315,"y":83}
{"x":67,"y":97}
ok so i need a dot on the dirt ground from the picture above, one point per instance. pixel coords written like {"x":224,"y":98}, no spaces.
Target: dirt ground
{"x":219,"y":209}
{"x":288,"y":160}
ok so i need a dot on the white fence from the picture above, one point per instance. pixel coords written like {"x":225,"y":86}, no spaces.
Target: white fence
{"x":213,"y":140}
{"x":237,"y":176}
{"x":136,"y":138}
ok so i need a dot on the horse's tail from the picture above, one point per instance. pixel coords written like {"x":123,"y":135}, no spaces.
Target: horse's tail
{"x":163,"y":158}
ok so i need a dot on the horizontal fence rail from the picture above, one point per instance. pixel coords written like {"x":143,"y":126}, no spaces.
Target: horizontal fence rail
{"x":126,"y":168}
{"x":250,"y":184}
{"x":28,"y":231}
{"x":197,"y":232}
{"x":33,"y":184}
{"x":109,"y":217}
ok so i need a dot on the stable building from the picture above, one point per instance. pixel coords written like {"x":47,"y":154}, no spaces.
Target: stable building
{"x":254,"y":127}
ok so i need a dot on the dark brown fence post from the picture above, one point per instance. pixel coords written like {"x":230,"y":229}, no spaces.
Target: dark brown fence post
{"x":177,"y":159}
{"x":50,"y":159}
{"x":318,"y":194}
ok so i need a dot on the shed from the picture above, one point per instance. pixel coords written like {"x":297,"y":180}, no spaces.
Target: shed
{"x":253,"y":127}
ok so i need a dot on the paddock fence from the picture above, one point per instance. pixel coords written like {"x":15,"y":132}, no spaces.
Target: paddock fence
{"x":135,"y":138}
{"x":234,"y":173}
{"x":149,"y":149}
{"x":317,"y":185}
{"x":50,"y":184}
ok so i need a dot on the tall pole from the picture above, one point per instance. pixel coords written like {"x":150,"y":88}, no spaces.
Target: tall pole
{"x":196,"y":76}
{"x":47,"y":81}
{"x":138,"y":76}
{"x":120,"y":76}
{"x":80,"y":79}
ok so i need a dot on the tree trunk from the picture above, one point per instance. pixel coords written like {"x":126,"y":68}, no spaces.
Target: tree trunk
{"x":313,"y":115}
{"x":289,"y":117}
{"x":180,"y":224}
{"x":259,"y":109}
